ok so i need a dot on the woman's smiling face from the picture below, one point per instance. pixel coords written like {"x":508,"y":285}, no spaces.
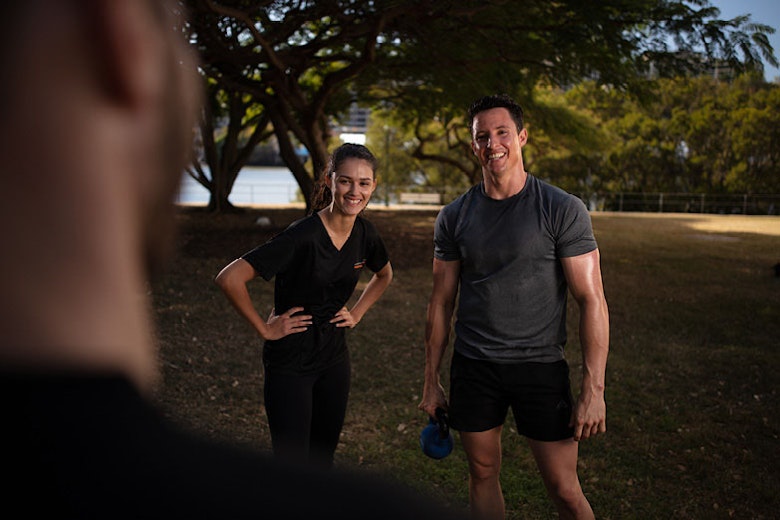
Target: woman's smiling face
{"x":352,"y":185}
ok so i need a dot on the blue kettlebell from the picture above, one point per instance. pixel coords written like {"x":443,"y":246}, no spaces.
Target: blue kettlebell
{"x":435,"y":438}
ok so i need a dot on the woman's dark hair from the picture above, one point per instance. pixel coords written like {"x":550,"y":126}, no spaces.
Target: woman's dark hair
{"x":496,"y":101}
{"x":322,"y":195}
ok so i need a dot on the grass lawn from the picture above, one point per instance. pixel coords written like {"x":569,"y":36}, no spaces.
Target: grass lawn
{"x":692,"y":380}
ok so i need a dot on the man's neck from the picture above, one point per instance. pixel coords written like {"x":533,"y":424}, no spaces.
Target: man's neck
{"x":74,"y":286}
{"x":86,"y":330}
{"x":503,"y":185}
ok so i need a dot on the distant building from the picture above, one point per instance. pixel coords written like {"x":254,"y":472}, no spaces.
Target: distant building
{"x":354,"y":125}
{"x":266,"y":154}
{"x":351,"y":128}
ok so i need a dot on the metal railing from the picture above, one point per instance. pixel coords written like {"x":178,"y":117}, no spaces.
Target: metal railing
{"x":724,"y":204}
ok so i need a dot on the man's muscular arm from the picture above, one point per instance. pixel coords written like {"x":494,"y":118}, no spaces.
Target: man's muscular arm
{"x":441,"y":306}
{"x":583,"y":274}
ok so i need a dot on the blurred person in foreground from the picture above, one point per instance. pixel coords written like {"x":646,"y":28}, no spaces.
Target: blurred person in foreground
{"x":509,"y":250}
{"x":98,"y":104}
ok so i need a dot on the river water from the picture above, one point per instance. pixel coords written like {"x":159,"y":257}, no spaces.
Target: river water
{"x":254,"y":185}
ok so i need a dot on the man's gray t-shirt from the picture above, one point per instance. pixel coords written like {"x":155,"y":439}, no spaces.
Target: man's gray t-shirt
{"x":512,"y":304}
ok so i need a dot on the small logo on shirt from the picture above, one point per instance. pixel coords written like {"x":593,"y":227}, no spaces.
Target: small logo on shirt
{"x":359,"y":265}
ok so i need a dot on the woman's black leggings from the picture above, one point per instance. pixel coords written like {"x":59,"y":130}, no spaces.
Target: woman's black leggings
{"x":306,"y":413}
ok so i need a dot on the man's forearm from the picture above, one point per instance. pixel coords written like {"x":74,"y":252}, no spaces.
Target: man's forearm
{"x":594,"y":339}
{"x":437,"y":334}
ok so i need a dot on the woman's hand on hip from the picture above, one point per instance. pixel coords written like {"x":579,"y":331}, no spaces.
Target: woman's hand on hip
{"x":281,"y":325}
{"x":344,"y":318}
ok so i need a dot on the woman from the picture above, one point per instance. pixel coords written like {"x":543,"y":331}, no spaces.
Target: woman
{"x":317,"y":262}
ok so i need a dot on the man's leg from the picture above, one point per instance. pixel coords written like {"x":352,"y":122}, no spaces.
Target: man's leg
{"x":483,"y":450}
{"x":557,"y":462}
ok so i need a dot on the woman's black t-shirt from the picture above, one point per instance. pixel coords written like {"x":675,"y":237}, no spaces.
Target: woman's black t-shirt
{"x":311,"y":273}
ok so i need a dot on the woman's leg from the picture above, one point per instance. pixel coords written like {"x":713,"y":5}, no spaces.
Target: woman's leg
{"x":330,"y":395}
{"x":288,"y":404}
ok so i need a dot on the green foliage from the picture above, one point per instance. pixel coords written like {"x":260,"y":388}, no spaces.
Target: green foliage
{"x":755,"y":141}
{"x":692,"y":135}
{"x":406,"y":154}
{"x":565,"y":142}
{"x":306,"y":62}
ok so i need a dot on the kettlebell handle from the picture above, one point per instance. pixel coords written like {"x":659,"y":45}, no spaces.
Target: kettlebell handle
{"x":444,"y":422}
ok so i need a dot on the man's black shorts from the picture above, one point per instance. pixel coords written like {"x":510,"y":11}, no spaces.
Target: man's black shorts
{"x":481,"y":392}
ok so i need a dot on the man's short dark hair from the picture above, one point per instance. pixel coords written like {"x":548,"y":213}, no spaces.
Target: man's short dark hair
{"x":496,"y":101}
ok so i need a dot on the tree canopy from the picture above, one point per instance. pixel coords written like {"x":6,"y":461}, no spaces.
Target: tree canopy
{"x":690,"y":135}
{"x":303,"y":62}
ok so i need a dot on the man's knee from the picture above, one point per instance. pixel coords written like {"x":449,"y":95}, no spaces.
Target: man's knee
{"x":567,"y":494}
{"x":483,"y":450}
{"x":566,"y":491}
{"x":484,"y":468}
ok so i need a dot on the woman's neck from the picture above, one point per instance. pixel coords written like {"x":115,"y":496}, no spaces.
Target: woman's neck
{"x":337,"y":222}
{"x":338,"y":226}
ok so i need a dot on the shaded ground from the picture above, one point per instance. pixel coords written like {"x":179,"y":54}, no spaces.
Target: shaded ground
{"x":692,"y":382}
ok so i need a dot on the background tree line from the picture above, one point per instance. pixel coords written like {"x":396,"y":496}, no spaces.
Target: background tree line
{"x":290,"y":69}
{"x":686,"y":135}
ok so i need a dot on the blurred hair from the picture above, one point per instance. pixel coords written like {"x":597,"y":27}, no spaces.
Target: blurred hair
{"x":11,"y":17}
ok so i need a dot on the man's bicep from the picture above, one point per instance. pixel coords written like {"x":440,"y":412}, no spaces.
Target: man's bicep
{"x":583,"y":274}
{"x":446,"y":274}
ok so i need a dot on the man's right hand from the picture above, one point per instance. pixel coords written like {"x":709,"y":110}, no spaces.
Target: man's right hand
{"x":433,"y":397}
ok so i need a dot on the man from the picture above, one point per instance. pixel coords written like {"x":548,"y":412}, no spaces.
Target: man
{"x":513,"y":246}
{"x":96,"y":114}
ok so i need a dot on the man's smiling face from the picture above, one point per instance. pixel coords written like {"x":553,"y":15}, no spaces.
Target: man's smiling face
{"x":496,"y":141}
